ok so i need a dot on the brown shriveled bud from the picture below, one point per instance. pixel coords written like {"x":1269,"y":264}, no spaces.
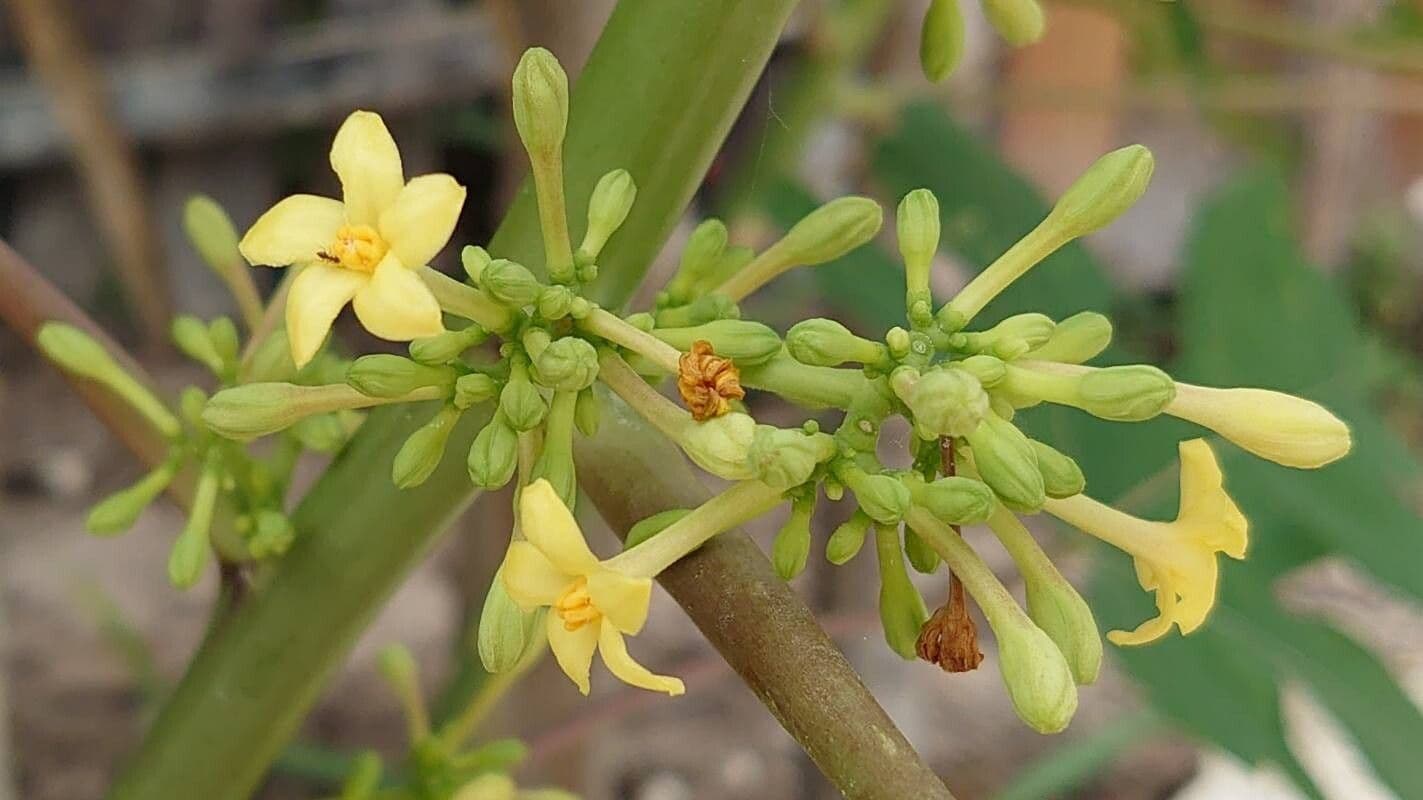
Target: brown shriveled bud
{"x":950,"y":638}
{"x":707,"y":382}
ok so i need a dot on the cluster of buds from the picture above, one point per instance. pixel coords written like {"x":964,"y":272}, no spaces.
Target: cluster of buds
{"x":561,"y":360}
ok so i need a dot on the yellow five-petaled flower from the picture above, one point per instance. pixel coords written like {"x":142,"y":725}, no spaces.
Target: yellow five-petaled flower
{"x":365,"y":249}
{"x":591,"y":605}
{"x":1176,"y":560}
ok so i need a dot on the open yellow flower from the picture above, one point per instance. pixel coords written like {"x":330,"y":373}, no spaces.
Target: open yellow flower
{"x":364,"y":249}
{"x":592,"y":606}
{"x":1176,"y":560}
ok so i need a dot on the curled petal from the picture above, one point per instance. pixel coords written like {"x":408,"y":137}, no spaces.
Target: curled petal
{"x":550,"y":526}
{"x":623,"y":600}
{"x":419,"y":223}
{"x":397,"y":305}
{"x":367,"y":161}
{"x":530,"y":578}
{"x":615,"y":655}
{"x":573,"y":649}
{"x":1210,"y":513}
{"x":317,"y":295}
{"x":292,"y":231}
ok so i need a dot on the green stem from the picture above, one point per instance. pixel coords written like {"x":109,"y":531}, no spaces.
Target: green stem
{"x":464,"y":300}
{"x":804,"y":385}
{"x":614,"y":329}
{"x":737,"y":505}
{"x":664,"y":415}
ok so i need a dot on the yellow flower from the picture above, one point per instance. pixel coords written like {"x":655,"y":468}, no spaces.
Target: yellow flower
{"x":1280,"y":427}
{"x":1176,"y":560}
{"x":365,"y":249}
{"x":592,"y":606}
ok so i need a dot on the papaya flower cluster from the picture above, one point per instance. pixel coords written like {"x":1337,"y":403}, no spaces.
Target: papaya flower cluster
{"x":521,"y":352}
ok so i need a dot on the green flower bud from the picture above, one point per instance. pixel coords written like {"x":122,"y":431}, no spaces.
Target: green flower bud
{"x":490,"y":786}
{"x":901,"y":608}
{"x":898,"y":341}
{"x":707,"y":308}
{"x":190,"y":553}
{"x":1019,"y":22}
{"x":1008,"y":339}
{"x":494,"y":454}
{"x":76,"y":352}
{"x":474,"y":259}
{"x":955,"y":500}
{"x":191,"y":336}
{"x":918,"y":220}
{"x":191,"y":402}
{"x":210,"y":230}
{"x":827,"y":343}
{"x":587,"y":412}
{"x":1007,"y":462}
{"x":510,"y":283}
{"x":722,"y":446}
{"x":699,"y":258}
{"x":1076,"y":340}
{"x":883,"y":497}
{"x":473,"y":389}
{"x":569,"y":364}
{"x":941,"y":39}
{"x":785,"y":458}
{"x":272,"y":534}
{"x":1038,"y":678}
{"x":922,"y":557}
{"x":521,"y":403}
{"x":554,"y":302}
{"x":791,"y":548}
{"x":608,"y":207}
{"x":942,"y":402}
{"x":1130,"y":393}
{"x":1107,"y":189}
{"x":989,"y":370}
{"x":424,"y":449}
{"x":448,"y":346}
{"x":743,"y":341}
{"x":825,"y":234}
{"x":506,"y":632}
{"x":118,"y":512}
{"x":1061,"y":475}
{"x":1057,"y":608}
{"x":540,"y":101}
{"x":847,"y":539}
{"x":223,"y":334}
{"x":386,"y":376}
{"x":258,"y":409}
{"x":397,"y":666}
{"x":647,"y":528}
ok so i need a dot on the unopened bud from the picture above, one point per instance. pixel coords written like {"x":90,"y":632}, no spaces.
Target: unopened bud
{"x":116,"y":513}
{"x":722,"y":445}
{"x":941,"y":39}
{"x":700,"y":258}
{"x":941,"y":402}
{"x":1273,"y":425}
{"x":847,"y":539}
{"x":707,"y":308}
{"x":494,"y":454}
{"x":521,"y":403}
{"x":922,"y":557}
{"x":1019,"y":22}
{"x":324,"y":433}
{"x":78,"y":353}
{"x":898,"y":341}
{"x":1008,"y":339}
{"x":258,"y":409}
{"x":1061,"y":475}
{"x":743,"y":341}
{"x":474,"y":259}
{"x":1076,"y":340}
{"x":424,"y":449}
{"x":569,"y":364}
{"x":825,"y":234}
{"x":385,"y":375}
{"x":651,"y":526}
{"x":540,"y":102}
{"x":955,"y":500}
{"x":1007,"y":462}
{"x":191,"y":552}
{"x":445,"y":347}
{"x":1037,"y":676}
{"x":1107,"y":189}
{"x":989,"y":370}
{"x":210,"y":230}
{"x":791,"y":548}
{"x":827,"y":343}
{"x":223,"y":334}
{"x":901,"y":608}
{"x":784,"y":458}
{"x":473,"y":389}
{"x":917,"y":219}
{"x":272,"y":534}
{"x":612,"y":199}
{"x":554,"y":302}
{"x":587,"y":412}
{"x":506,"y":631}
{"x":191,"y":336}
{"x":883,"y":497}
{"x":1130,"y":393}
{"x":510,"y":283}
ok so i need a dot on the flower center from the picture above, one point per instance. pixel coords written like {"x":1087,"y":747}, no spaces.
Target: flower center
{"x":576,"y":607}
{"x":357,"y":247}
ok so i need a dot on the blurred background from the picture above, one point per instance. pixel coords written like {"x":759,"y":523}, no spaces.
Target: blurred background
{"x":1277,"y":247}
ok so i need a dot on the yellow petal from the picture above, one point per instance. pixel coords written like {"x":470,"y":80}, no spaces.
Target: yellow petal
{"x":397,"y":305}
{"x":530,"y":578}
{"x":623,"y":600}
{"x":1197,"y":588}
{"x":1206,"y":509}
{"x":550,"y":526}
{"x":573,"y":649}
{"x":615,"y":655}
{"x":419,"y":223}
{"x":318,"y":294}
{"x":367,"y":161}
{"x":292,"y":231}
{"x":1145,"y":633}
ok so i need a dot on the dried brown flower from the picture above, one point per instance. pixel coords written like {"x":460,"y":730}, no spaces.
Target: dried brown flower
{"x":950,"y":638}
{"x":707,"y":382}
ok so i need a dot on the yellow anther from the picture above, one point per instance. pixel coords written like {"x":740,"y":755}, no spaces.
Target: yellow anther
{"x":357,"y":247}
{"x":576,"y":607}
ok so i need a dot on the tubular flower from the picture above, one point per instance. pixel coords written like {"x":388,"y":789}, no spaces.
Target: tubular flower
{"x":1273,"y":425}
{"x":707,"y":382}
{"x":364,"y":249}
{"x":592,"y":606}
{"x":1176,"y":560}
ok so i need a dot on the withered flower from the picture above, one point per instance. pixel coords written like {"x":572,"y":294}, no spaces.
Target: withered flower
{"x":707,"y":382}
{"x":950,"y":638}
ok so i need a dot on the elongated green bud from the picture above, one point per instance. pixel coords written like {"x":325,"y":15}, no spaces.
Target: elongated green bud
{"x":448,"y":346}
{"x":222,"y":331}
{"x":520,"y":401}
{"x":78,"y":353}
{"x":827,"y":343}
{"x":1061,"y":475}
{"x":941,"y":402}
{"x":1007,"y":462}
{"x":883,"y":497}
{"x":941,"y":39}
{"x":473,"y":389}
{"x":588,"y":412}
{"x":258,"y":409}
{"x":783,"y":458}
{"x":699,"y":259}
{"x":118,"y":512}
{"x":651,"y":526}
{"x":510,"y":283}
{"x":825,"y":234}
{"x":540,"y":101}
{"x":192,"y":337}
{"x":569,"y":364}
{"x":210,"y":230}
{"x":1131,"y":393}
{"x":1008,"y":339}
{"x":474,"y":259}
{"x":923,"y":558}
{"x":1106,"y":190}
{"x":425,"y":448}
{"x":272,"y":534}
{"x":847,"y":539}
{"x":385,"y":375}
{"x":607,"y":209}
{"x":901,"y":608}
{"x":917,"y":221}
{"x":1076,"y":340}
{"x":1019,"y":22}
{"x":506,"y":632}
{"x":955,"y":500}
{"x":494,"y":454}
{"x":743,"y":341}
{"x":555,"y":461}
{"x":722,"y":446}
{"x":791,"y":548}
{"x":1038,"y":677}
{"x":190,"y":553}
{"x":707,"y":308}
{"x":397,"y":665}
